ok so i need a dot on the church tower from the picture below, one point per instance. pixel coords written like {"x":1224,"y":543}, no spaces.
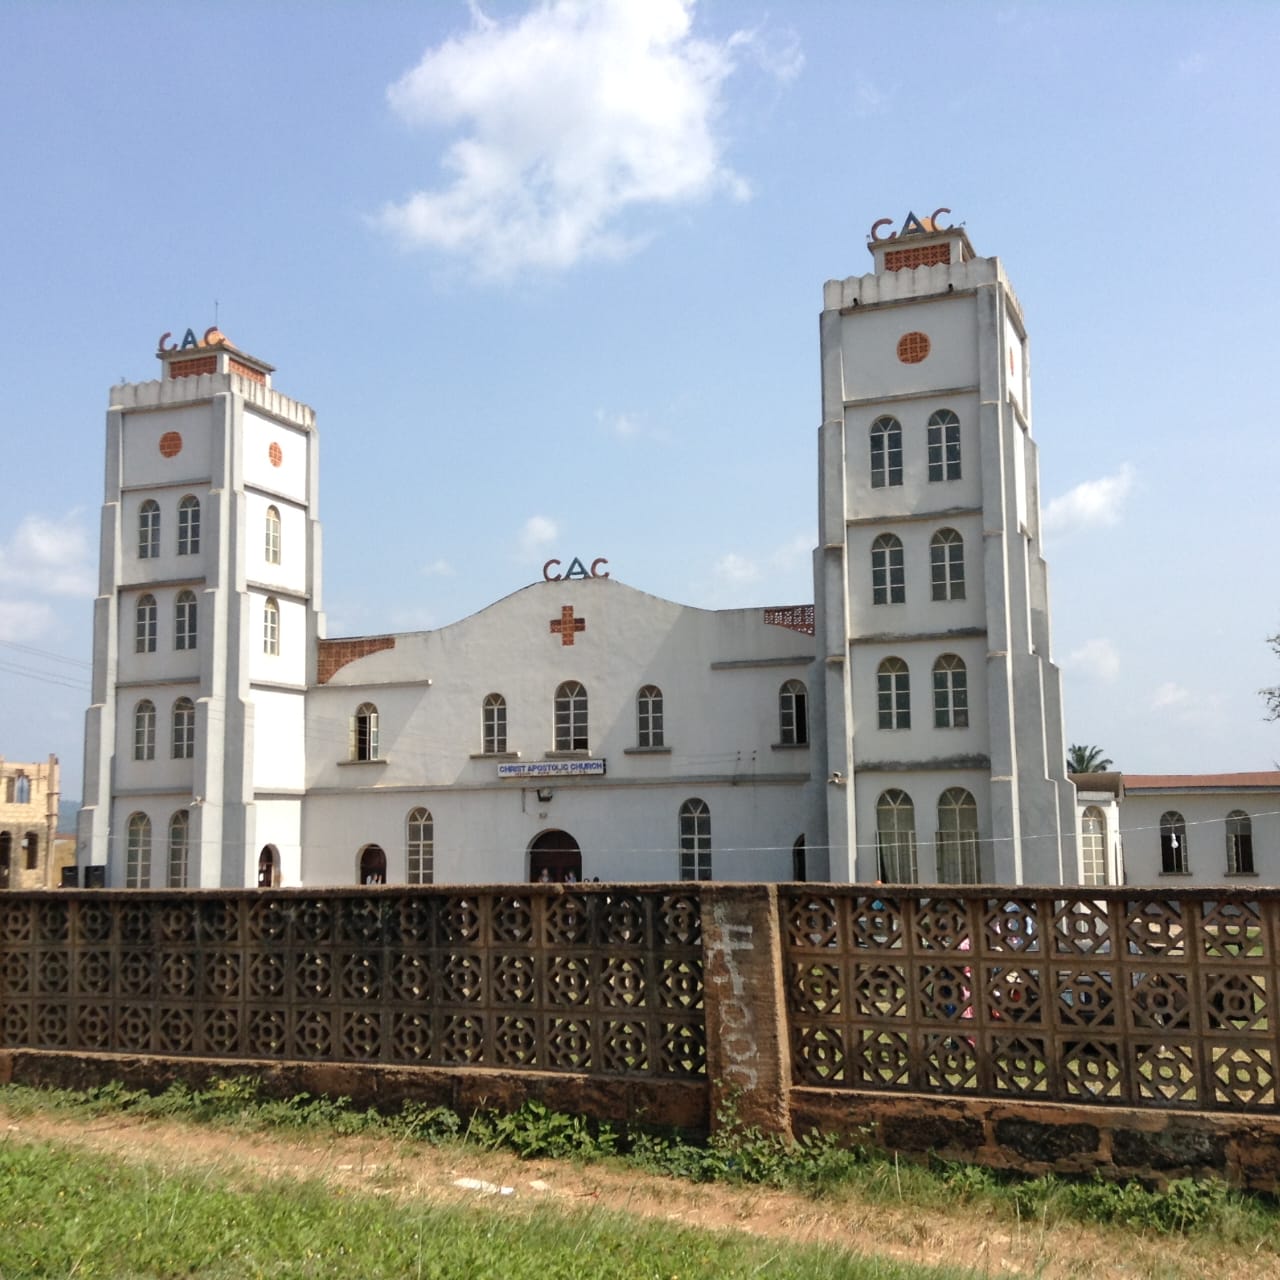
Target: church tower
{"x":205,"y":626}
{"x":943,"y":719}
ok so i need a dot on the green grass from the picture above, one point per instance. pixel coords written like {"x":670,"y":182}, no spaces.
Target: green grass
{"x":817,"y":1165}
{"x":69,"y":1214}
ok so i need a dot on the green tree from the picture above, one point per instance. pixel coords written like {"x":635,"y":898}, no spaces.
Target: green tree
{"x":1272,"y":696}
{"x":1086,"y":759}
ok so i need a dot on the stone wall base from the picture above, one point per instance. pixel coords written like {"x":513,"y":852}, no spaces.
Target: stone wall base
{"x":1151,"y":1146}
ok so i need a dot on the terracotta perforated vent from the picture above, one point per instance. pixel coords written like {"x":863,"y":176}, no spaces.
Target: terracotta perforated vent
{"x":795,"y":617}
{"x":254,"y":375}
{"x":170,"y":444}
{"x":913,"y":347}
{"x":925,"y":255}
{"x":276,"y":454}
{"x":193,"y":368}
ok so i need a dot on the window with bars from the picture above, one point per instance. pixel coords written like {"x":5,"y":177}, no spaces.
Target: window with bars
{"x":896,"y":838}
{"x":888,"y":575}
{"x":944,"y":446}
{"x":886,"y":453}
{"x":893,"y":694}
{"x":184,"y":729}
{"x":137,"y":856}
{"x":179,"y":845}
{"x":149,"y":530}
{"x":144,"y":625}
{"x":420,"y":847}
{"x":649,"y":728}
{"x":695,"y":840}
{"x":571,"y":717}
{"x":189,"y":525}
{"x":493,"y":724}
{"x":950,"y":693}
{"x":144,"y":730}
{"x":946,"y":565}
{"x":184,"y":621}
{"x":793,"y":714}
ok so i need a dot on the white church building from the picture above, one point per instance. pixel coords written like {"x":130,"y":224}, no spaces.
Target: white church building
{"x":906,"y":726}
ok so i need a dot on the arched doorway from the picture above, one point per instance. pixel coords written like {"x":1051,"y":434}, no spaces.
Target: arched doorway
{"x":268,"y":867}
{"x":556,"y":853}
{"x":373,"y":865}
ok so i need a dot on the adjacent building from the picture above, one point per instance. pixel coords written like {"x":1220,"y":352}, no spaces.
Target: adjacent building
{"x":29,"y":796}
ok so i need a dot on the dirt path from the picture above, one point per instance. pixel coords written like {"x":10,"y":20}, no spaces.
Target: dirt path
{"x":417,"y":1171}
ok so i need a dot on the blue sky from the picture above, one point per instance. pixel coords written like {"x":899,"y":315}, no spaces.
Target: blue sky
{"x":550,"y":275}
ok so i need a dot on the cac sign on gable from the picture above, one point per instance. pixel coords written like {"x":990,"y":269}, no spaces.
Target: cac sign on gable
{"x":576,"y":569}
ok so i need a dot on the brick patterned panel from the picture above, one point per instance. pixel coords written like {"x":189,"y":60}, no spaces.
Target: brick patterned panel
{"x":333,"y":655}
{"x":1099,"y":996}
{"x":925,"y":255}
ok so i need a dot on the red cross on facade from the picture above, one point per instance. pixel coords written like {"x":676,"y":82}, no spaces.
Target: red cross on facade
{"x":566,"y":624}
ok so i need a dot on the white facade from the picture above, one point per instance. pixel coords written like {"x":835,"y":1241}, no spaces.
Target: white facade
{"x":319,"y":761}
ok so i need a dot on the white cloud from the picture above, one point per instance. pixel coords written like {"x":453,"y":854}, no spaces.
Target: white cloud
{"x":23,"y":620}
{"x":565,"y":120}
{"x":1170,"y":694}
{"x":1095,"y":504}
{"x":737,"y":569}
{"x":535,"y":535}
{"x":438,"y":569}
{"x":49,"y":557}
{"x":868,"y":99}
{"x":1097,"y":657}
{"x":630,"y":426}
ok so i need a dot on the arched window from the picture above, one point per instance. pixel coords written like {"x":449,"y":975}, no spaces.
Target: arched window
{"x":946,"y":565}
{"x":799,"y":861}
{"x":364,"y":732}
{"x":493,"y":717}
{"x":179,"y":837}
{"x":149,"y":530}
{"x":1174,"y":855}
{"x":571,"y":717}
{"x":944,"y":446}
{"x":1093,"y":846}
{"x":144,"y":625}
{"x":793,"y":714}
{"x":886,"y":452}
{"x":950,"y":693}
{"x":184,"y":621}
{"x":695,"y":840}
{"x":22,"y":789}
{"x":957,"y":844}
{"x":137,"y":855}
{"x":419,"y":847}
{"x":189,"y":525}
{"x":273,"y":535}
{"x":268,"y":867}
{"x":144,"y":730}
{"x":888,"y":578}
{"x":893,"y":694}
{"x":6,"y":857}
{"x":271,"y":628}
{"x":373,"y":865}
{"x":896,"y":837}
{"x":649,"y":731}
{"x":31,"y":849}
{"x":1239,"y":843}
{"x":184,"y":729}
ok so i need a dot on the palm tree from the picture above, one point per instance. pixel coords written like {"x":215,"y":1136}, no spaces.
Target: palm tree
{"x":1086,"y":760}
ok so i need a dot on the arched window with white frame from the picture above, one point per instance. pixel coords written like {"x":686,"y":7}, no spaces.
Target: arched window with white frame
{"x":649,"y":726}
{"x":144,"y":624}
{"x":944,"y":446}
{"x":493,"y":725}
{"x":793,"y":714}
{"x":149,"y":530}
{"x":189,"y":525}
{"x":273,"y":535}
{"x":893,"y":694}
{"x":695,"y":840}
{"x":144,"y":730}
{"x":364,"y":733}
{"x":950,"y":693}
{"x":1239,"y":843}
{"x":888,"y":571}
{"x":271,"y":627}
{"x":959,"y":860}
{"x":183,"y":740}
{"x":886,"y":453}
{"x":896,"y":837}
{"x":137,"y":854}
{"x":946,"y":565}
{"x":1175,"y":857}
{"x":571,"y":717}
{"x":179,"y":849}
{"x":419,"y":847}
{"x":184,"y":621}
{"x":1093,"y":846}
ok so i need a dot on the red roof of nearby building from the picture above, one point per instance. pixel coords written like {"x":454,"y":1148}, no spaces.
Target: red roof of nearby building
{"x":1268,"y":780}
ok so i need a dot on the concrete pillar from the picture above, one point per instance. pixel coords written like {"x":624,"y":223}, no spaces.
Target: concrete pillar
{"x":748,"y":1053}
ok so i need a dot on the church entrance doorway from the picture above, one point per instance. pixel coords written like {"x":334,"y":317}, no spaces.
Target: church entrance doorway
{"x":554,"y":855}
{"x":269,"y":867}
{"x":373,"y":865}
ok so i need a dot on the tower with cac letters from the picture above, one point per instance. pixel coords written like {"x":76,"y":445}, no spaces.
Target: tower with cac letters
{"x":205,"y":625}
{"x":943,"y":712}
